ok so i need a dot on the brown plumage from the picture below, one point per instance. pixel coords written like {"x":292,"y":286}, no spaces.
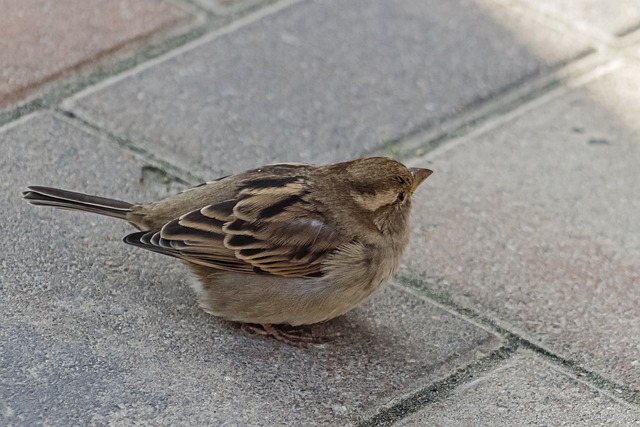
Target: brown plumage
{"x":288,"y":244}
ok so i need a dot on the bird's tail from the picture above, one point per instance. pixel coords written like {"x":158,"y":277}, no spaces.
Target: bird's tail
{"x":47,"y":196}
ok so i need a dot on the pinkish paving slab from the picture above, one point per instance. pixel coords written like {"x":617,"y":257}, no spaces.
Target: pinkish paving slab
{"x":537,"y":223}
{"x":42,"y":39}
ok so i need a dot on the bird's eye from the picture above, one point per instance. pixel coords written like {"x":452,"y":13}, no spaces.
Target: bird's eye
{"x":402,"y":197}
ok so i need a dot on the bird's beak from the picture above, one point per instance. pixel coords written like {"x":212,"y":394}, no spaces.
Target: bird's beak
{"x":419,"y":175}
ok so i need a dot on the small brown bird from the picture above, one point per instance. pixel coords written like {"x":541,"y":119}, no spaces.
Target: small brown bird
{"x":284,"y":244}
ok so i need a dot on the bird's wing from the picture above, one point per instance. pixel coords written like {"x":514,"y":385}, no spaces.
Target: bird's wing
{"x":271,"y":227}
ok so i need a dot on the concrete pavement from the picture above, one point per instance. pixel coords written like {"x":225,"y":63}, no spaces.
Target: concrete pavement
{"x":518,"y":302}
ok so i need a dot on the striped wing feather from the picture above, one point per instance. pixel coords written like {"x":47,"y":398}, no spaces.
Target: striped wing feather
{"x":266,"y":229}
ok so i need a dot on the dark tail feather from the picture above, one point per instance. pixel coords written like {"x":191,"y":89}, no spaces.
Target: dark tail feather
{"x":47,"y":196}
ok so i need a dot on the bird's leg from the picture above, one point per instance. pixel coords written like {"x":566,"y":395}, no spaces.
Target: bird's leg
{"x":253,"y":328}
{"x":294,"y":337}
{"x":298,"y":338}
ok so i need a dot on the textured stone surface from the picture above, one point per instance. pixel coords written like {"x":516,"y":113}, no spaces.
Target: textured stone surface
{"x":95,"y":332}
{"x":526,"y":391}
{"x":324,"y":80}
{"x":538,"y":223}
{"x":42,"y":39}
{"x":611,"y":18}
{"x":225,"y":7}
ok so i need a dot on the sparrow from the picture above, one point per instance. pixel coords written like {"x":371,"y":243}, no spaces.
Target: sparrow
{"x":279,"y":246}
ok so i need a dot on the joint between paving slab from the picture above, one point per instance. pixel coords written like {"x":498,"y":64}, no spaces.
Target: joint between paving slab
{"x":205,"y":23}
{"x":441,"y":389}
{"x":422,"y":139}
{"x":55,"y":92}
{"x":212,"y":32}
{"x":628,"y":31}
{"x":195,"y":6}
{"x":405,"y":146}
{"x":438,"y":390}
{"x":571,"y":72}
{"x":511,"y":104}
{"x":175,"y":173}
{"x":619,"y":391}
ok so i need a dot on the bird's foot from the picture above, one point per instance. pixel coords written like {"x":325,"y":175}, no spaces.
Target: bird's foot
{"x":294,"y":337}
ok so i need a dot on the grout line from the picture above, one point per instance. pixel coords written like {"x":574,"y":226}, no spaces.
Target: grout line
{"x":194,"y":5}
{"x":604,"y":47}
{"x":182,"y":176}
{"x":190,"y":45}
{"x":628,"y":31}
{"x":620,"y":391}
{"x":607,"y":386}
{"x":20,"y":120}
{"x":438,"y":390}
{"x":441,"y":389}
{"x":204,"y":25}
{"x":506,"y":110}
{"x":109,"y":61}
{"x":486,"y":324}
{"x":11,"y":115}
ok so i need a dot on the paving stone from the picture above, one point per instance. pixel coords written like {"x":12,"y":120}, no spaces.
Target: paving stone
{"x":526,"y":391}
{"x":537,"y":222}
{"x":226,"y":7}
{"x":324,"y":80}
{"x":42,"y":39}
{"x":95,"y":332}
{"x":610,"y":18}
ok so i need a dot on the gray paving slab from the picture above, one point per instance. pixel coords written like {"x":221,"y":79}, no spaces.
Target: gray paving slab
{"x":606,"y":17}
{"x":324,"y":80}
{"x":526,"y":391}
{"x":95,"y":332}
{"x":536,"y":221}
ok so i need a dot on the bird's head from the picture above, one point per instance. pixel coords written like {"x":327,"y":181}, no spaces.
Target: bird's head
{"x":375,"y":191}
